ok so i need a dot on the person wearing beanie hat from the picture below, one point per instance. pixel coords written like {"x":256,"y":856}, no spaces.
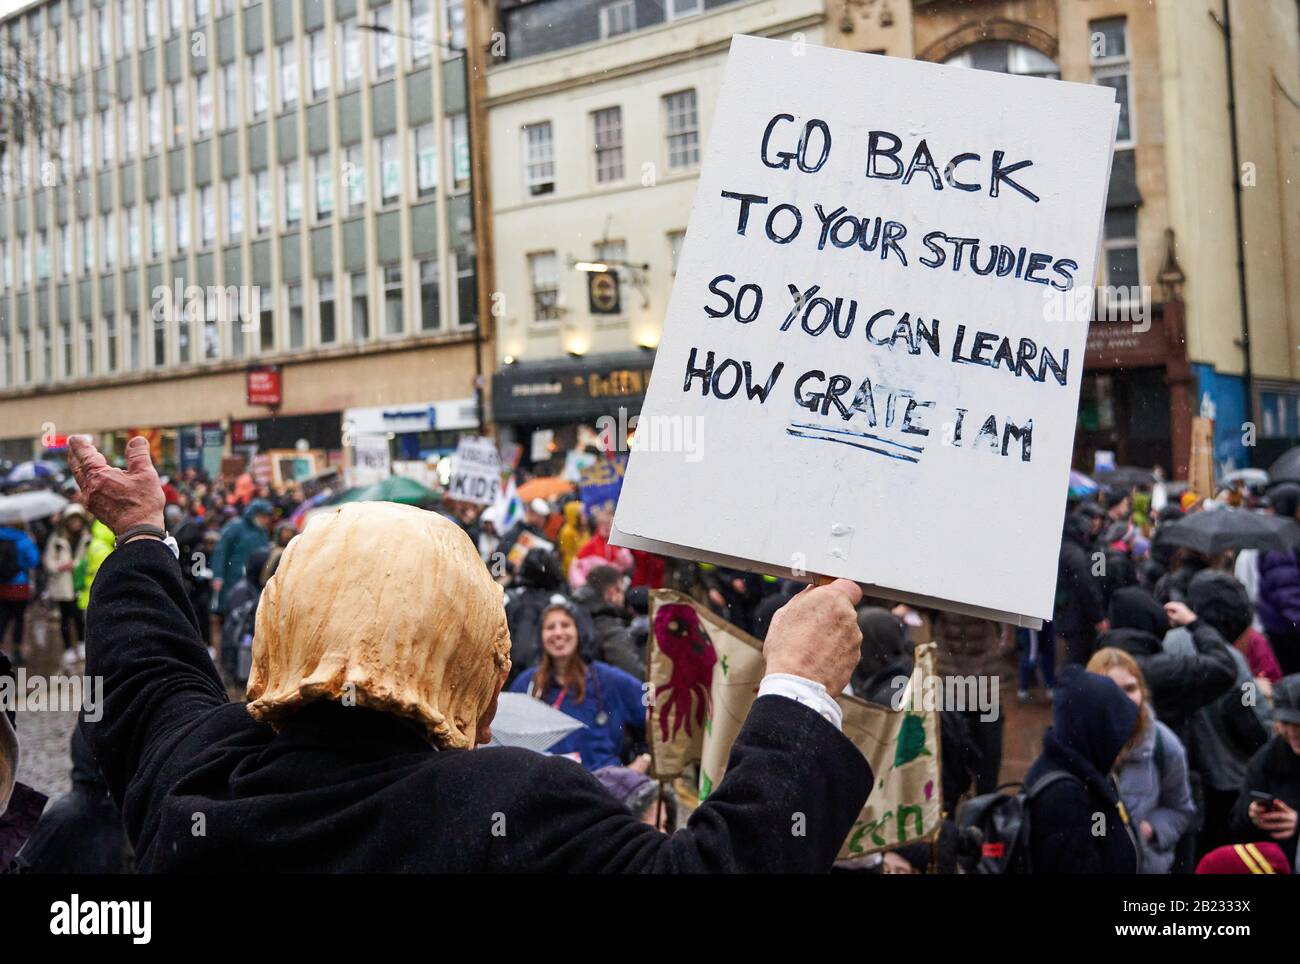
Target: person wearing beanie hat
{"x":1275,"y":771}
{"x":1248,"y":858}
{"x":1180,"y":683}
{"x":605,"y":698}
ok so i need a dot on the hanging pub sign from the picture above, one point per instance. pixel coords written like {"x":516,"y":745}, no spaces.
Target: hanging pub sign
{"x":602,"y":293}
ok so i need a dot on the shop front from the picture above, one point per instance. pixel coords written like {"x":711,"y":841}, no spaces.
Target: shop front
{"x":415,"y":439}
{"x":553,"y":406}
{"x":1137,"y":392}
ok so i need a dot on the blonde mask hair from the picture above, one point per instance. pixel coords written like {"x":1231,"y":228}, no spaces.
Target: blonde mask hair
{"x":383,"y":606}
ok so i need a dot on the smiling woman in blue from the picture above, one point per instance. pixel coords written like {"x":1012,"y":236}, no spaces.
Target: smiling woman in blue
{"x":604,"y":698}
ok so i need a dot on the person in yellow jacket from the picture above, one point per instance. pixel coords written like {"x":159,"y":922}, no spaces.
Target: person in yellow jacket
{"x":573,"y":534}
{"x":101,"y":545}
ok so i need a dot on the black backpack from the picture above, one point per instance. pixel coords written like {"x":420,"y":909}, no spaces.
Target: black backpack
{"x":9,"y":568}
{"x":1000,"y":822}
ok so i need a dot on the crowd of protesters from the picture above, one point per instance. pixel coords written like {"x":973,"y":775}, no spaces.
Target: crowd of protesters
{"x":1176,"y":714}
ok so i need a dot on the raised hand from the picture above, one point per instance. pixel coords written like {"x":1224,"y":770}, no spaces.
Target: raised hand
{"x":118,"y":498}
{"x":815,"y":635}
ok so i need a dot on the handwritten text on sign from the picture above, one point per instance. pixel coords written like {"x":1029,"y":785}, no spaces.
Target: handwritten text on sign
{"x":876,"y":310}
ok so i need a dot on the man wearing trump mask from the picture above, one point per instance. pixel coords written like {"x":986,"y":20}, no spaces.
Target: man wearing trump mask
{"x":380,"y":649}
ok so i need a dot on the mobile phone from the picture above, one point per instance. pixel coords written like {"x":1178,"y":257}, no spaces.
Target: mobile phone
{"x":1266,"y":800}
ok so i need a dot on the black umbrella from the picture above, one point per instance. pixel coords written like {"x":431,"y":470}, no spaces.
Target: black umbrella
{"x":1125,"y":477}
{"x":1286,"y":468}
{"x":1212,"y":531}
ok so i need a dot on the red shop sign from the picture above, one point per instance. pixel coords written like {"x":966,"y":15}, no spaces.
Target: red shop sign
{"x":264,"y":385}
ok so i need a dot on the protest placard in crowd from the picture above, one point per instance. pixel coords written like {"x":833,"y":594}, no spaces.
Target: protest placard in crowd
{"x":880,"y":312}
{"x":475,"y":471}
{"x":704,"y":675}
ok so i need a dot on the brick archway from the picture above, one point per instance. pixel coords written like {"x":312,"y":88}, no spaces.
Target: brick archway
{"x":994,"y":28}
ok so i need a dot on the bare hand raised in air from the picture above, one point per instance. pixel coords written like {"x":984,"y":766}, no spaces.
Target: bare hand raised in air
{"x":119,"y":498}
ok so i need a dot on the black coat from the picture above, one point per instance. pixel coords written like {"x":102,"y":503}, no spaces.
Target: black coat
{"x":611,"y":633}
{"x":1273,"y":769}
{"x":347,"y":789}
{"x":1080,"y":603}
{"x":1180,"y":683}
{"x":1076,"y":825}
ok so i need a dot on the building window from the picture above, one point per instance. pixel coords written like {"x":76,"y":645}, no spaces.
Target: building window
{"x":325,"y":324}
{"x":262,"y":199}
{"x":175,"y":17}
{"x":154,"y":106}
{"x":323,"y":186}
{"x":675,"y":9}
{"x":237,"y":321}
{"x":83,"y":41}
{"x":207,"y":216}
{"x":108,"y":235}
{"x":213,"y":308}
{"x":539,"y":159}
{"x":430,"y":293}
{"x":319,"y":48}
{"x":257,"y":67}
{"x":390,"y":169}
{"x":83,"y":144}
{"x":544,"y":270}
{"x":180,"y":223}
{"x":156,"y":231}
{"x":133,"y":342}
{"x":132,"y":235}
{"x":675,"y":239}
{"x":458,"y":136}
{"x":177,"y":97}
{"x":130,"y":128}
{"x":350,"y":44}
{"x":617,"y":18}
{"x":126,"y":18}
{"x":159,"y":339}
{"x":1005,"y":57}
{"x":291,"y":183}
{"x":230,"y":109}
{"x":65,"y":251}
{"x":200,"y":11}
{"x":419,"y":25}
{"x":203,"y":102}
{"x":1120,"y":249}
{"x":1108,"y":51}
{"x":42,"y":256}
{"x":360,"y":301}
{"x":266,"y":327}
{"x":393,"y":321}
{"x":150,"y":21}
{"x":453,"y":26}
{"x":87,"y":346}
{"x":66,"y":345}
{"x":105,"y":141}
{"x":426,"y":159}
{"x":354,"y":178}
{"x":383,"y":50}
{"x":683,"y":130}
{"x":234,"y":192}
{"x":287,"y":57}
{"x":109,"y":325}
{"x":293,"y":301}
{"x":101,"y":39}
{"x":466,"y":290}
{"x":607,"y":130}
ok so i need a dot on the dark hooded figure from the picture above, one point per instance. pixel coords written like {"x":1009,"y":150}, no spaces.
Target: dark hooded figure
{"x":1161,"y":553}
{"x":240,"y":614}
{"x":1076,"y":823}
{"x":1180,"y":683}
{"x":1279,"y":586}
{"x":539,"y":578}
{"x":81,"y":832}
{"x":1080,"y":603}
{"x":886,"y":661}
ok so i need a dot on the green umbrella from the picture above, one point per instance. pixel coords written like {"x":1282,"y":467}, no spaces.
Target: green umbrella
{"x":395,"y":488}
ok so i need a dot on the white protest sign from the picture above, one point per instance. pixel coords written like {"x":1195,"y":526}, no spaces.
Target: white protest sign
{"x":475,"y":471}
{"x":371,"y":461}
{"x":881,"y":312}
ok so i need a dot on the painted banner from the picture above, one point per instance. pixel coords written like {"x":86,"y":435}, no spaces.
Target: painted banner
{"x":704,"y":675}
{"x":600,"y":483}
{"x":881,"y":312}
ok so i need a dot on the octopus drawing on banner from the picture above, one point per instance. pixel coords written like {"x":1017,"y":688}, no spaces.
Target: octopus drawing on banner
{"x":682,"y":638}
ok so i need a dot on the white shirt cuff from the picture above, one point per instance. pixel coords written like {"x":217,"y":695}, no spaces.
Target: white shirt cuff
{"x":810,"y":694}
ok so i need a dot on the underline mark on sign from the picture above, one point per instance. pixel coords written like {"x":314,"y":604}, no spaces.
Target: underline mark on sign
{"x":794,"y":429}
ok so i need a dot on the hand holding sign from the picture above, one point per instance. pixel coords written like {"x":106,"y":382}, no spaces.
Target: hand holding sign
{"x":815,"y":635}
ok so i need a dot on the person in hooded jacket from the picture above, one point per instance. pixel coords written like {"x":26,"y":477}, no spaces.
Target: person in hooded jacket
{"x":603,"y":697}
{"x":239,"y":617}
{"x":1173,"y":586}
{"x":1077,"y":823}
{"x":1278,"y":597}
{"x":238,"y":541}
{"x":18,"y":556}
{"x":1274,"y":770}
{"x":603,"y":599}
{"x":539,"y":578}
{"x":64,"y":550}
{"x":1080,"y":611}
{"x":1151,"y":773}
{"x":970,"y":648}
{"x":1180,"y":683}
{"x":81,"y":832}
